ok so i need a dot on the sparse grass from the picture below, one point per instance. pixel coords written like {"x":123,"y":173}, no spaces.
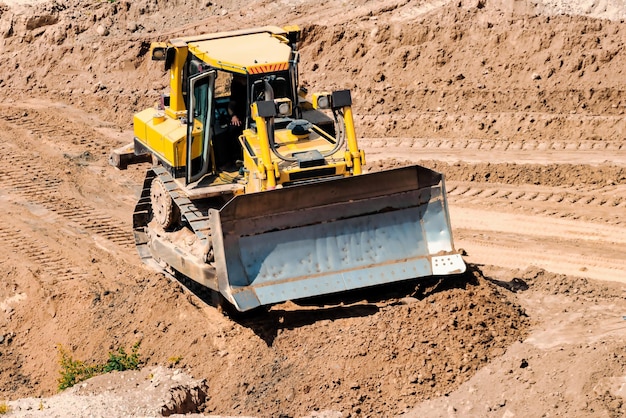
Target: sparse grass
{"x":4,"y":408}
{"x":174,"y":360}
{"x":75,"y":371}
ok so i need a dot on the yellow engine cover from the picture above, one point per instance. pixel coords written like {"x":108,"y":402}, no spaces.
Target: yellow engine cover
{"x":165,"y":136}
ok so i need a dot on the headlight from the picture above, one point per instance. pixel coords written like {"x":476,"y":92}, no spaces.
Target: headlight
{"x":158,"y":51}
{"x":272,"y":108}
{"x":322,"y":100}
{"x":283,"y":107}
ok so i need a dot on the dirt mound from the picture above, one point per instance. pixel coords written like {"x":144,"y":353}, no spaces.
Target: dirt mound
{"x":568,"y":364}
{"x":373,"y":358}
{"x":475,"y":72}
{"x":578,"y":287}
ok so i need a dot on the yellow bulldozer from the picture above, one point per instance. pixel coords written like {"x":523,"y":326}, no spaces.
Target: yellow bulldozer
{"x":258,"y":192}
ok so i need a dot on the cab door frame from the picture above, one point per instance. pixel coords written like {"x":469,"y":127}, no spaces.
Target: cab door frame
{"x":200,"y":81}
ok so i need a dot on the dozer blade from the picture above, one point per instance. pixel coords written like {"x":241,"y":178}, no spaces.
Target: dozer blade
{"x":333,"y":236}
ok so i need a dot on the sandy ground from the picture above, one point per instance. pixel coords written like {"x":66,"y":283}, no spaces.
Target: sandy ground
{"x":520,"y":104}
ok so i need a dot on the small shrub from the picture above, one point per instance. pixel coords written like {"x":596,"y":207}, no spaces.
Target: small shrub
{"x":122,"y":361}
{"x":72,"y":371}
{"x":75,"y":371}
{"x":4,"y":408}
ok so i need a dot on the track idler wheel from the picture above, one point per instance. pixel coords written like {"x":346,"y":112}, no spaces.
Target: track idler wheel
{"x":164,"y":210}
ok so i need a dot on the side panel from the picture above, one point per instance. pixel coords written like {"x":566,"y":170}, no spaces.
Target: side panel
{"x":161,"y":135}
{"x":166,"y":137}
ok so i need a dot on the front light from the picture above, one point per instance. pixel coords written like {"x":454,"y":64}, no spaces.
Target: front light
{"x":158,"y":51}
{"x":322,"y":100}
{"x":283,"y":107}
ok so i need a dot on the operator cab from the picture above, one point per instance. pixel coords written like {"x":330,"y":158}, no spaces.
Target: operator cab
{"x":234,"y":94}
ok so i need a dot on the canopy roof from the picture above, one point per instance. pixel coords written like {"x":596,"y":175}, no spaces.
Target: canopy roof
{"x":253,"y":51}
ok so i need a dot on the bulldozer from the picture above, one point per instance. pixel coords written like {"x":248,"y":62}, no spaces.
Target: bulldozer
{"x":273,"y":204}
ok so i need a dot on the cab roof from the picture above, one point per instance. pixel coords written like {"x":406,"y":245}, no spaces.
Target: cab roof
{"x":253,"y":51}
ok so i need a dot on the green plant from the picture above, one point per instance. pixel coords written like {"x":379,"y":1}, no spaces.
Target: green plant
{"x":72,"y":371}
{"x":122,"y":361}
{"x":75,"y":371}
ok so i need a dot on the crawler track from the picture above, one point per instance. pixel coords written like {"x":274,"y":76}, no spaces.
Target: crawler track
{"x":197,"y":221}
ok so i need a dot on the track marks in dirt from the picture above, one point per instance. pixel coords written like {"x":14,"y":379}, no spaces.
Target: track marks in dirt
{"x":515,"y":251}
{"x":21,"y":177}
{"x":594,"y":205}
{"x":52,"y":265}
{"x":41,"y":133}
{"x":495,"y":144}
{"x":573,"y":231}
{"x":575,"y":157}
{"x":58,"y":131}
